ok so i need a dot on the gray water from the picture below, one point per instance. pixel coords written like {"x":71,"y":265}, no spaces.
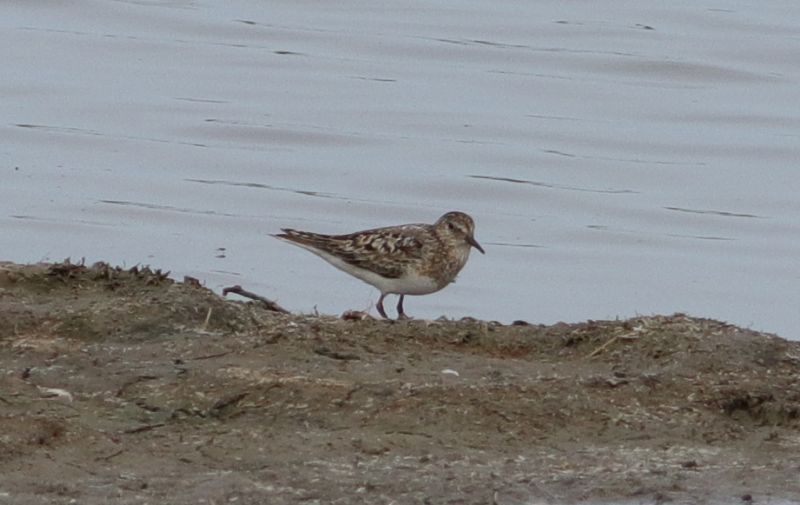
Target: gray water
{"x":620,"y":158}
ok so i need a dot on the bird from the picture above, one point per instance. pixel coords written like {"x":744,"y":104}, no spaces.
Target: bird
{"x":408,"y":259}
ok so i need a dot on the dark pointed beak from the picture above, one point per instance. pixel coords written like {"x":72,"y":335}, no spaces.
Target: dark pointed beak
{"x":474,"y":243}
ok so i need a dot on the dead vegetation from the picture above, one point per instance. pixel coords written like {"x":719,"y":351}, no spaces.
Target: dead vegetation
{"x":121,"y":385}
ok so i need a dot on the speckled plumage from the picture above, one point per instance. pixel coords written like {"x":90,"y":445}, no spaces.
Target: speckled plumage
{"x":410,"y":259}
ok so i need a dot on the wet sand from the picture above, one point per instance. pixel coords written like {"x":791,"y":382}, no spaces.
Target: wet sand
{"x":125,"y":387}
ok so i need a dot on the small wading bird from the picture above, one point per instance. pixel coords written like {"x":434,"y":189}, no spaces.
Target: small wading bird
{"x":409,"y":259}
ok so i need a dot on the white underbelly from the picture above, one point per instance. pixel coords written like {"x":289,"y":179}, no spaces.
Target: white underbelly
{"x":411,"y":285}
{"x":407,"y":285}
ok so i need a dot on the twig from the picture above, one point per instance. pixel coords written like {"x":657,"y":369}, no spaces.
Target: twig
{"x":210,"y":356}
{"x":227,"y":402}
{"x":268,"y":304}
{"x":135,"y":380}
{"x":146,"y":427}
{"x":112,"y":455}
{"x":603,"y":347}
{"x":409,"y":433}
{"x":324,"y":351}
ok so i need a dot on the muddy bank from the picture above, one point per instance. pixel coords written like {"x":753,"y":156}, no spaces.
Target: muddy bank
{"x":126,"y":387}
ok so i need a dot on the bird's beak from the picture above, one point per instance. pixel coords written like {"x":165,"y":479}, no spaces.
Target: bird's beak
{"x":474,"y":243}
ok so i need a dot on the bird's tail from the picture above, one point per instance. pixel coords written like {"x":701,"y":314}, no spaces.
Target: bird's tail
{"x":301,"y":237}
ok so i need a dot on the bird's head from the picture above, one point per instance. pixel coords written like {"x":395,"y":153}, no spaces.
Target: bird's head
{"x":458,"y":227}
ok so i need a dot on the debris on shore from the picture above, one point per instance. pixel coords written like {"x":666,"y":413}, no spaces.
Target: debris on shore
{"x":124,"y":386}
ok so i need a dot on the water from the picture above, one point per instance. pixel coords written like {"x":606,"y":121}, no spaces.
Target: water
{"x":619,"y":159}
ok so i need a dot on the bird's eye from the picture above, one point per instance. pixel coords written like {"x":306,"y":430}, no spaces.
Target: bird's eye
{"x":451,"y":226}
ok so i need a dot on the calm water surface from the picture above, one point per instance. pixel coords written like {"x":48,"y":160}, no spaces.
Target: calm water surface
{"x":623,"y":159}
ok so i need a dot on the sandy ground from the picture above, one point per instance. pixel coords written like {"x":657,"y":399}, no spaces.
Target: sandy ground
{"x":125,"y":387}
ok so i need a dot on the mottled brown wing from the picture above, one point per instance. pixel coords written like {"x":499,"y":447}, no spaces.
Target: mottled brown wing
{"x":387,"y":253}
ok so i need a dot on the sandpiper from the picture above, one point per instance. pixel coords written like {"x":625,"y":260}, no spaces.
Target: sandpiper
{"x":409,"y":259}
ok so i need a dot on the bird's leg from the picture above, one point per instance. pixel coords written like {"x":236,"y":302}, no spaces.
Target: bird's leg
{"x":400,"y":313}
{"x":379,"y":306}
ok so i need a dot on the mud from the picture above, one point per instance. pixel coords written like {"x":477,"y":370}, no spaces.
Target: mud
{"x":123,"y":386}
